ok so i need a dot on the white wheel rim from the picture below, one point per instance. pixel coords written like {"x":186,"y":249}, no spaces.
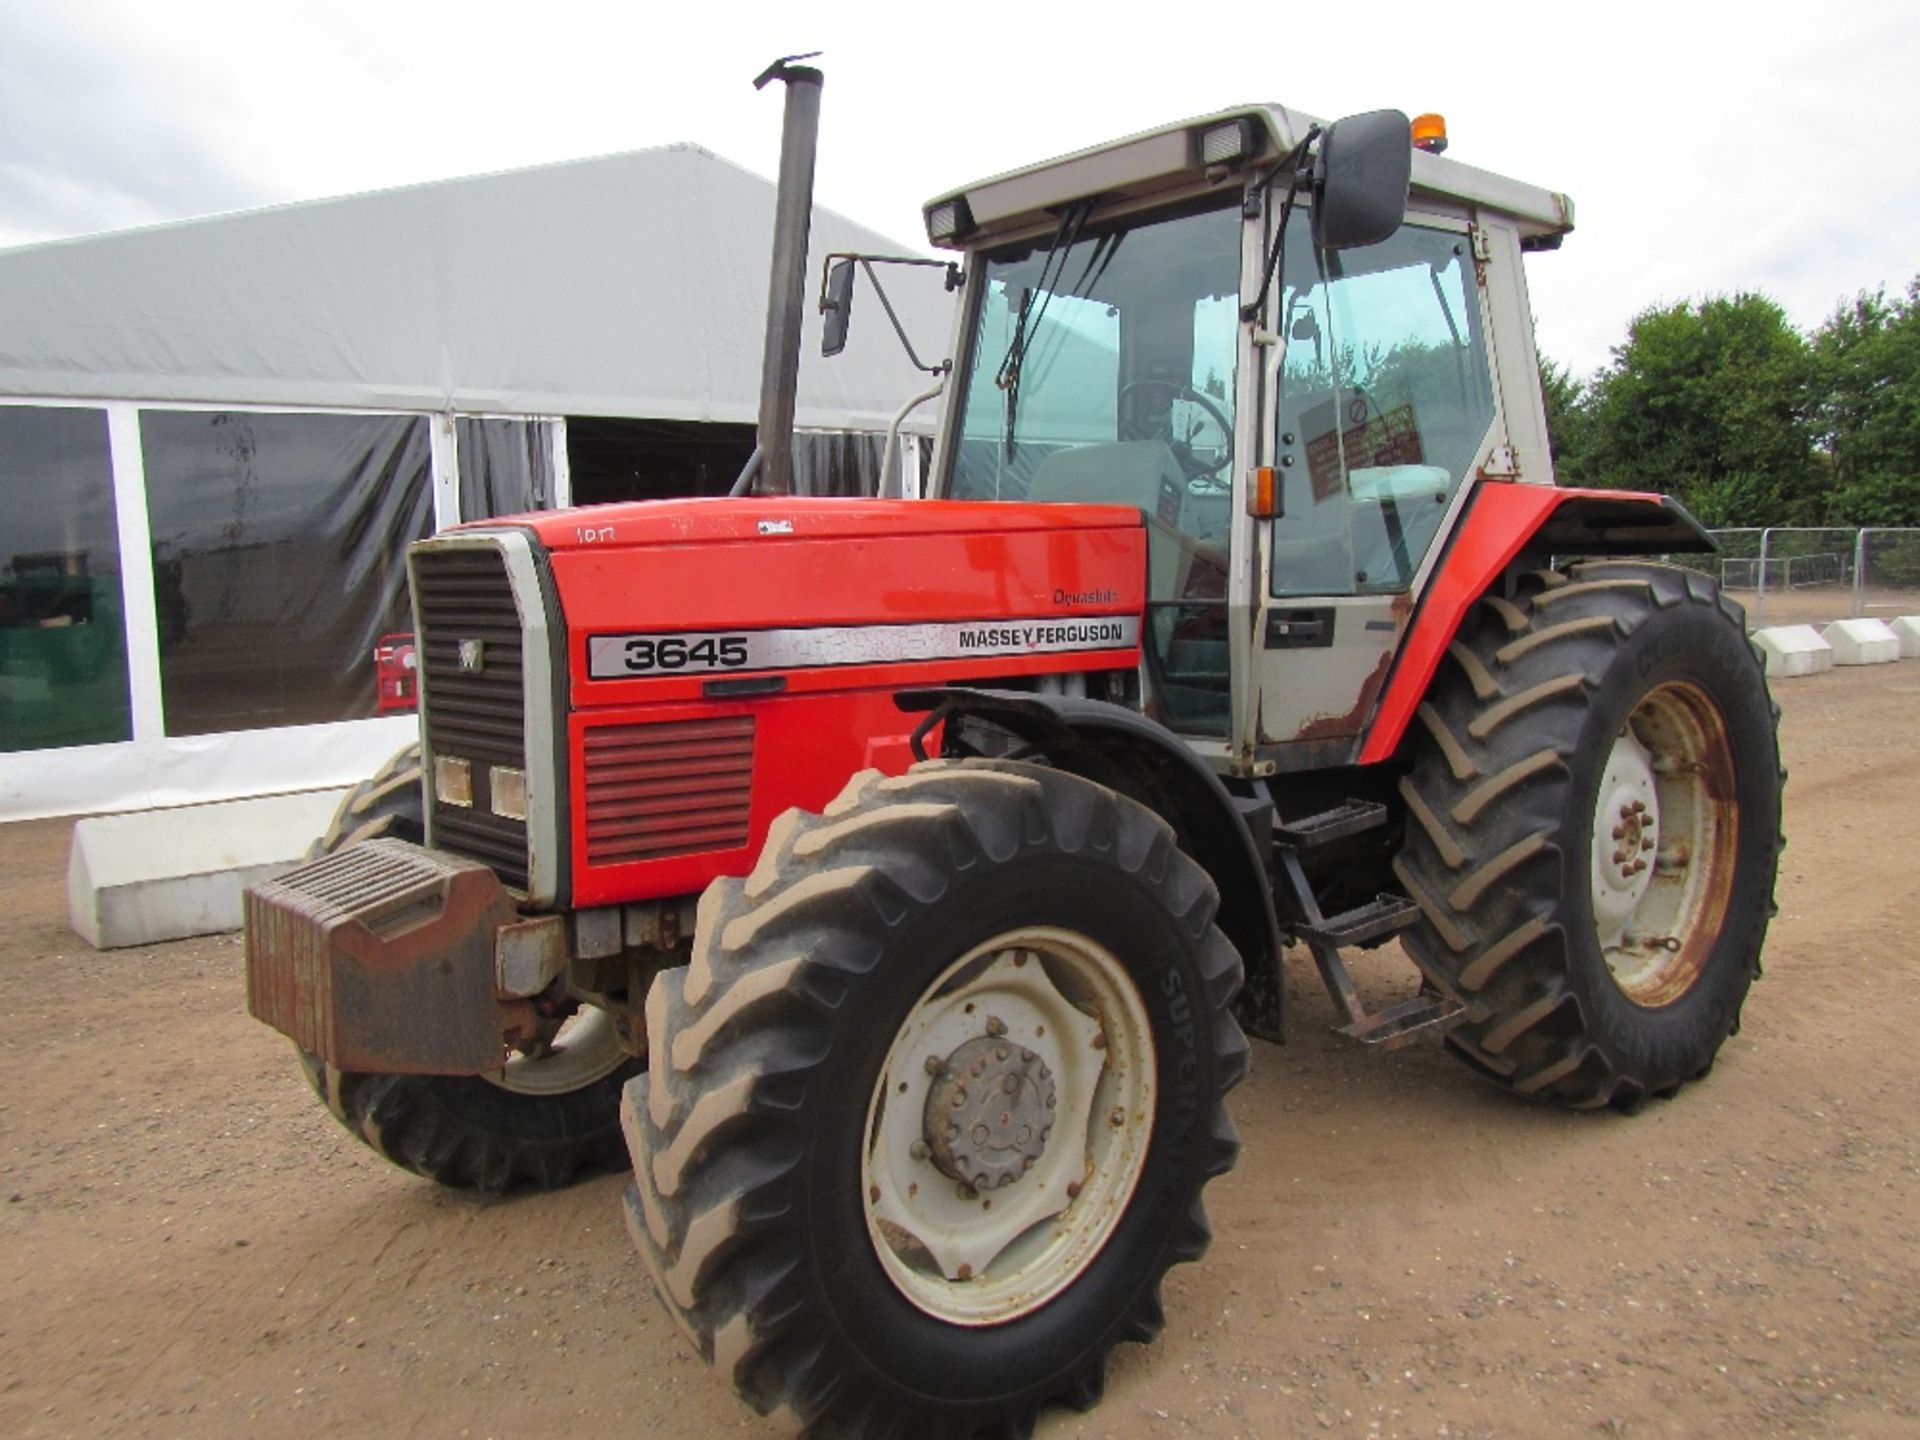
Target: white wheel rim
{"x":1664,"y":826}
{"x":587,"y":1048}
{"x":974,"y":1257}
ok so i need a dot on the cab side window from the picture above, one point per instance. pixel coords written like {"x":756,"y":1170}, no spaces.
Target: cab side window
{"x":1385,"y":401}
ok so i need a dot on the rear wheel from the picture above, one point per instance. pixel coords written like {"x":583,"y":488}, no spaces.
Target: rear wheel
{"x":1593,"y":824}
{"x":933,"y":1106}
{"x":550,"y":1113}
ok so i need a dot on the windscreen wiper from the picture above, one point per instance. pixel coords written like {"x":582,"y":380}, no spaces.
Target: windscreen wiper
{"x":1294,"y":168}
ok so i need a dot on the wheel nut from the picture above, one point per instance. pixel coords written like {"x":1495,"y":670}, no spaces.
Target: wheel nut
{"x":995,"y":1025}
{"x":935,"y":1064}
{"x":920,"y":1150}
{"x":1073,"y":1190}
{"x":1619,"y":832}
{"x":1100,"y":1041}
{"x":1646,"y":843}
{"x":873,"y":1193}
{"x":1117,"y":1117}
{"x":965,"y":1272}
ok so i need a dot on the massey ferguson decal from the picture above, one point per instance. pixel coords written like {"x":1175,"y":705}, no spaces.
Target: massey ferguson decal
{"x":621,"y":657}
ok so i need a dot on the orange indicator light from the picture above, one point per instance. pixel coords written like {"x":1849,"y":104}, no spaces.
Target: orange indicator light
{"x":1261,"y":491}
{"x":1430,"y":133}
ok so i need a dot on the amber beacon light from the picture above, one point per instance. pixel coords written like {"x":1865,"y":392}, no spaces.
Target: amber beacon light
{"x":1430,"y":133}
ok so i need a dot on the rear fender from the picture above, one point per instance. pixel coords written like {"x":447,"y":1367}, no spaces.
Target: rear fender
{"x":1506,"y":523}
{"x":1140,"y":758}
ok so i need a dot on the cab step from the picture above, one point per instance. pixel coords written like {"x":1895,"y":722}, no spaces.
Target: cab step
{"x":1352,"y":818}
{"x":1397,"y":1024}
{"x":1430,"y":1011}
{"x":1382,"y":915}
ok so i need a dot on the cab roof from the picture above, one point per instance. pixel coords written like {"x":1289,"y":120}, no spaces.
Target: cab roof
{"x":1167,"y":160}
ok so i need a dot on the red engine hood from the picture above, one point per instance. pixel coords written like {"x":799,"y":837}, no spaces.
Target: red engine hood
{"x":869,"y":587}
{"x":770,"y":518}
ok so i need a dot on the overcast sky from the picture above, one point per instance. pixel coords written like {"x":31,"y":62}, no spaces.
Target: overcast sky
{"x":1709,"y":148}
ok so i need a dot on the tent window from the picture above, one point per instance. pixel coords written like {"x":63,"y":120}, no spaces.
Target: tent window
{"x":614,"y":460}
{"x":63,"y":644}
{"x":836,"y":462}
{"x":506,"y":467}
{"x":279,"y":547}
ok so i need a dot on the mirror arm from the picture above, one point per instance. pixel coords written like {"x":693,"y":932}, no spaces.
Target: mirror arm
{"x":898,"y":329}
{"x":867,"y":262}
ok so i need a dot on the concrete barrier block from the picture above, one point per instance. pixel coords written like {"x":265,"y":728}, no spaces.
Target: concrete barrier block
{"x":1793,"y":650}
{"x":1907,"y":630}
{"x":153,"y":875}
{"x":1862,"y":642}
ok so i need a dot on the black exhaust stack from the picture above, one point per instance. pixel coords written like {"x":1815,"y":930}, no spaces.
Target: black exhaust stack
{"x":786,"y":287}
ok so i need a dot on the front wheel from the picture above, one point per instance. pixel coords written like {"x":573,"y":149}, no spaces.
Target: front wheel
{"x":932,"y":1108}
{"x":547,"y":1115}
{"x":1593,"y":826}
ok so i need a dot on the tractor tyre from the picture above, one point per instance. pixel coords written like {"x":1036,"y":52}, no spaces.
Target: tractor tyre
{"x":540,"y":1122}
{"x":1593,"y":826}
{"x":388,"y":803}
{"x":932,"y":1107}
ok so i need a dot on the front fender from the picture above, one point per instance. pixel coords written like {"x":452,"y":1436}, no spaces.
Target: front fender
{"x":1138,"y":756}
{"x":1503,"y":521}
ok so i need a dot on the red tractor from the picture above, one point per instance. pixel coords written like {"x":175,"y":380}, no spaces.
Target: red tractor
{"x":902,"y":874}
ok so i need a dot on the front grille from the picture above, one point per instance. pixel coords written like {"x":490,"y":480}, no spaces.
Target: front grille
{"x":478,"y":715}
{"x":673,"y":788}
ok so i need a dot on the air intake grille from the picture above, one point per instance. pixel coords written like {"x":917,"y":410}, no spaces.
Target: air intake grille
{"x":675,"y":788}
{"x":477,"y":711}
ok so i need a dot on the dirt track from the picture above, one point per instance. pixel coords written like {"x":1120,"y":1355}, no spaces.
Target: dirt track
{"x":190,"y":1246}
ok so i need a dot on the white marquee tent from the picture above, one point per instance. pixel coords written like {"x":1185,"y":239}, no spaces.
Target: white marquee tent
{"x":217,"y":436}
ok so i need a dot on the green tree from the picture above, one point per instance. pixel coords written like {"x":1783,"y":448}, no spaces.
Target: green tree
{"x":1569,"y":422}
{"x":1868,"y":356}
{"x":1711,"y":402}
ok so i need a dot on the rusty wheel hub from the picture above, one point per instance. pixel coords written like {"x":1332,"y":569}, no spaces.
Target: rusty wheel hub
{"x":1663,"y":844}
{"x":989,"y":1112}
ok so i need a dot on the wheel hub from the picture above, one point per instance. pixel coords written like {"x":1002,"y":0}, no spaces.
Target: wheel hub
{"x":989,"y":1112}
{"x":1009,"y":1125}
{"x":1664,"y":828}
{"x":1626,"y":835}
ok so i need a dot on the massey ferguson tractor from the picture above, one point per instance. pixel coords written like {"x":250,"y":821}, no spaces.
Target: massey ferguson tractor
{"x":894,"y":879}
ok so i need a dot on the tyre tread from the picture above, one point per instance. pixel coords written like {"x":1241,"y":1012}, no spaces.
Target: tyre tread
{"x":1491,"y":781}
{"x":734,"y":1034}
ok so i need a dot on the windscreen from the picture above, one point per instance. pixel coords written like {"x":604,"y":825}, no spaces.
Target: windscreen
{"x":1118,"y":336}
{"x":1102,"y":370}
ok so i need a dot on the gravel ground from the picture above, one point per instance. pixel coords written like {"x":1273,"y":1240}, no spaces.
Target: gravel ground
{"x":189,"y":1245}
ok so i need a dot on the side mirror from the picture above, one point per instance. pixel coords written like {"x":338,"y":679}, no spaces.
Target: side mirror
{"x":1360,"y":179}
{"x":838,"y":305}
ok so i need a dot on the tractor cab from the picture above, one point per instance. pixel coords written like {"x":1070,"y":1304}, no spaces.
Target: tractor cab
{"x":1290,"y":358}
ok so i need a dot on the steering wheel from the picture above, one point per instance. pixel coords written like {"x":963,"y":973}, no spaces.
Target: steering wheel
{"x":1191,"y":463}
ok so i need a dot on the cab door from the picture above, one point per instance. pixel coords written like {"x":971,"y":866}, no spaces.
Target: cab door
{"x":1385,"y":404}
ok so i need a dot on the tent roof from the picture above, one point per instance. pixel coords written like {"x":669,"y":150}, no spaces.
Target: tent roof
{"x":629,"y":285}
